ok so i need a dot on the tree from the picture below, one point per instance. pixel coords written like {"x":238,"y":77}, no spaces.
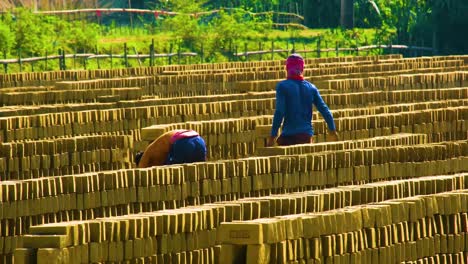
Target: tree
{"x":347,"y":14}
{"x":7,"y":39}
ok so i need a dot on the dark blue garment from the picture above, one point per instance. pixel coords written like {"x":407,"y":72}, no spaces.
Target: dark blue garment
{"x":294,"y":102}
{"x":187,"y":150}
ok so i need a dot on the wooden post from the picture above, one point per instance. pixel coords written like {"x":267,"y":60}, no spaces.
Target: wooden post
{"x":97,"y":58}
{"x":378,"y":47}
{"x":230,"y":58}
{"x":170,"y":53}
{"x":46,"y":60}
{"x":272,"y":49}
{"x":125,"y":55}
{"x":32,"y":66}
{"x":64,"y":66}
{"x":178,"y":53}
{"x":294,"y":47}
{"x":202,"y":55}
{"x":5,"y":65}
{"x":152,"y":53}
{"x":236,"y":48}
{"x":85,"y":63}
{"x":337,"y":49}
{"x":60,"y":59}
{"x":111,"y":58}
{"x":318,"y":47}
{"x":357,"y":48}
{"x":326,"y":48}
{"x":19,"y":60}
{"x":190,"y":57}
{"x":390,"y":49}
{"x":138,"y":56}
{"x":260,"y":48}
{"x":74,"y":60}
{"x":245,"y":51}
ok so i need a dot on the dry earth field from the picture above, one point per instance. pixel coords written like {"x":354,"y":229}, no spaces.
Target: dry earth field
{"x":393,"y":190}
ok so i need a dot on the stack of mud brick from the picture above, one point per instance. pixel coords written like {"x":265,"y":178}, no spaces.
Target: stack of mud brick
{"x":400,"y":139}
{"x":61,"y":156}
{"x":442,"y":120}
{"x":267,"y":76}
{"x":420,"y":229}
{"x":101,"y":210}
{"x":225,"y":138}
{"x":207,"y":83}
{"x":440,"y":124}
{"x":59,"y":96}
{"x":63,"y":124}
{"x":84,"y":197}
{"x":400,"y":82}
{"x":21,"y":123}
{"x":314,"y":226}
{"x":51,"y":77}
{"x":360,"y":77}
{"x":114,"y":193}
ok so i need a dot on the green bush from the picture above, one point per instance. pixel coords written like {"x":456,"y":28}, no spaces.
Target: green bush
{"x":7,"y":39}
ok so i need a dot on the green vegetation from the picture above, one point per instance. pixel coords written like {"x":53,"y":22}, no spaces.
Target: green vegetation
{"x":216,"y":37}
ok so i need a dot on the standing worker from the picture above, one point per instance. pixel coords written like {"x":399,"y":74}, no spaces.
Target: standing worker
{"x":173,"y":147}
{"x":294,"y":100}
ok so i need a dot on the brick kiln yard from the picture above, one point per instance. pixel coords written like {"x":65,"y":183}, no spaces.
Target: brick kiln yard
{"x":394,"y":190}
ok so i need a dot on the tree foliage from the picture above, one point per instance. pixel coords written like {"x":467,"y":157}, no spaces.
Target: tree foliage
{"x":438,"y":22}
{"x":23,"y":32}
{"x":7,"y":39}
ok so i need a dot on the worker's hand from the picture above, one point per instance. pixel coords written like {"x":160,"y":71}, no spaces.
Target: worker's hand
{"x":271,"y":141}
{"x":332,"y":136}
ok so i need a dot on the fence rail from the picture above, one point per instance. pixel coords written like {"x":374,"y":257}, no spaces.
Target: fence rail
{"x":96,"y":56}
{"x":101,"y":11}
{"x":336,"y":49}
{"x":62,"y":57}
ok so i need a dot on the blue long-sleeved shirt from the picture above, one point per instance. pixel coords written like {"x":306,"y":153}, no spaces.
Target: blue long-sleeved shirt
{"x":294,"y":101}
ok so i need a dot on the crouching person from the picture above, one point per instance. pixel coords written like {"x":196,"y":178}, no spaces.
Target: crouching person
{"x":173,"y":147}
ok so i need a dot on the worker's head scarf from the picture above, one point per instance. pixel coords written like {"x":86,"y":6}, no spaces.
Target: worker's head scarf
{"x":295,"y":67}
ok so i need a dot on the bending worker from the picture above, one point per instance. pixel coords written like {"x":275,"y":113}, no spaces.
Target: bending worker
{"x":294,"y":100}
{"x":173,"y":147}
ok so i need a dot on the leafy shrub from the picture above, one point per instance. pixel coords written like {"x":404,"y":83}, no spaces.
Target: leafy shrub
{"x":7,"y":39}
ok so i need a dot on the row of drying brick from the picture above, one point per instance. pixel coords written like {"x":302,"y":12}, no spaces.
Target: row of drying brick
{"x":202,"y":171}
{"x":40,"y":78}
{"x":228,"y":84}
{"x":400,"y":230}
{"x":346,"y":67}
{"x":71,"y":96}
{"x":254,"y":74}
{"x":61,"y":156}
{"x":459,"y":258}
{"x":278,"y":65}
{"x":253,"y":84}
{"x":225,"y":138}
{"x":154,"y":188}
{"x":52,"y":205}
{"x":393,"y":81}
{"x":194,"y":228}
{"x":336,"y":100}
{"x":191,"y":108}
{"x":444,"y":123}
{"x":228,"y":138}
{"x":340,"y":70}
